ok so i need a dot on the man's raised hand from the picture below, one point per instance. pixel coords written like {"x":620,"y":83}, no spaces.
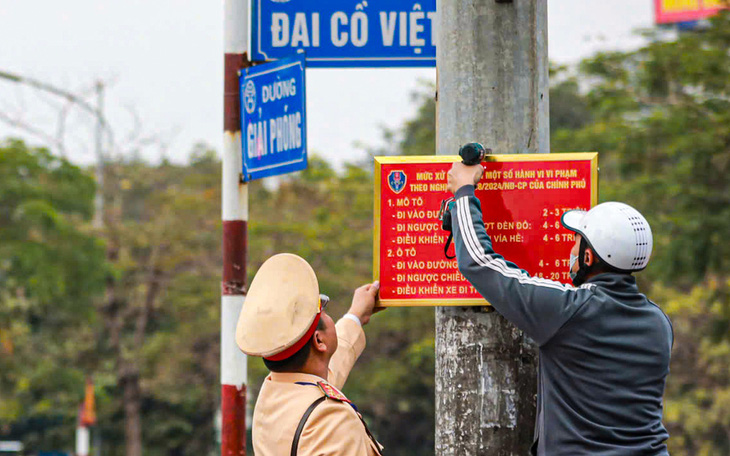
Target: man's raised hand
{"x":461,"y":174}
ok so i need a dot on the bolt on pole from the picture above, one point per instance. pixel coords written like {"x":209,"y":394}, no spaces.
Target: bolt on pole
{"x":235,"y":218}
{"x":492,"y":88}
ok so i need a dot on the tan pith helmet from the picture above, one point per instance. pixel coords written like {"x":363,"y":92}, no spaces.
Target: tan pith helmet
{"x":281,"y":310}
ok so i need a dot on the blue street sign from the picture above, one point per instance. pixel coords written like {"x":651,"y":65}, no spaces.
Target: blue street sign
{"x":346,"y":33}
{"x":274,"y":123}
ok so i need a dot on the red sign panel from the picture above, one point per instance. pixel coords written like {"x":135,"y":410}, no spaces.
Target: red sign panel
{"x":672,"y":11}
{"x":522,"y":196}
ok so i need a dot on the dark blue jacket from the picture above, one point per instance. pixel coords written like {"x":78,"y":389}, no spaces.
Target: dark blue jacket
{"x":604,"y":348}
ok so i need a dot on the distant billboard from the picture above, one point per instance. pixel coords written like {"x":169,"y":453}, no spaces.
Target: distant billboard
{"x":673,"y":11}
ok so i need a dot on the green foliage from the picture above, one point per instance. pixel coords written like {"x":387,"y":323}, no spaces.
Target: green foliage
{"x":138,"y":310}
{"x":137,"y":305}
{"x":661,"y":122}
{"x":568,"y":107}
{"x":697,"y":404}
{"x":50,"y":268}
{"x":159,"y":332}
{"x":662,"y":125}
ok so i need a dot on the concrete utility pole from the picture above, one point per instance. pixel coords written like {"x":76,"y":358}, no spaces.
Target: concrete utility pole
{"x":235,"y":218}
{"x":493,"y":88}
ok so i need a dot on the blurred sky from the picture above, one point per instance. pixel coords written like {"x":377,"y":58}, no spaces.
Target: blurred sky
{"x":162,"y":62}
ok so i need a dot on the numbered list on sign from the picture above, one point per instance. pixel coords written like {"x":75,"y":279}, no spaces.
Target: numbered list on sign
{"x":521,"y":202}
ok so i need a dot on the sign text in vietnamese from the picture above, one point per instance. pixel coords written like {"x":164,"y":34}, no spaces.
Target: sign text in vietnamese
{"x":274,"y":121}
{"x":522,"y":196}
{"x":346,"y":33}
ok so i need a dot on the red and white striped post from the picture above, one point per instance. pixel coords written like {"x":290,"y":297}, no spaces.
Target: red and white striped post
{"x":82,"y":440}
{"x":235,"y":218}
{"x":87,"y":419}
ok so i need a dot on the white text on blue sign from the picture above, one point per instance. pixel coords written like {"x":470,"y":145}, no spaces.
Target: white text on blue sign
{"x":278,"y":134}
{"x":347,"y":33}
{"x":274,"y":133}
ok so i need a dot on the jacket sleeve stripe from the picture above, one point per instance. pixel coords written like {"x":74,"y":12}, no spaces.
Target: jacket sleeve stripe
{"x":471,"y":244}
{"x":499,"y":264}
{"x":466,"y":226}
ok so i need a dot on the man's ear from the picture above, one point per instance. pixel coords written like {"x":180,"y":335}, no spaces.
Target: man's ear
{"x":589,"y":258}
{"x":318,"y":342}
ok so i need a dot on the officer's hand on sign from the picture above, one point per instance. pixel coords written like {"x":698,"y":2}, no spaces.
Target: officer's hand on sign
{"x":461,"y":174}
{"x":363,"y":302}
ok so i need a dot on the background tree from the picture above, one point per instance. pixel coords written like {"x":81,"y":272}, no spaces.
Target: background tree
{"x":660,"y":118}
{"x":159,"y":337}
{"x":51,"y":266}
{"x":145,"y":319}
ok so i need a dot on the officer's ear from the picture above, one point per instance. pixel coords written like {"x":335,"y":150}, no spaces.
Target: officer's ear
{"x":318,"y":342}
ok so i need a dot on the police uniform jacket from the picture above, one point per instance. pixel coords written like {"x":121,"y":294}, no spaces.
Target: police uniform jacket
{"x":334,"y":427}
{"x":604,"y":348}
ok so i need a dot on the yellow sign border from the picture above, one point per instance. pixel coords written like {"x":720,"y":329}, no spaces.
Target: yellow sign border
{"x":389,"y":160}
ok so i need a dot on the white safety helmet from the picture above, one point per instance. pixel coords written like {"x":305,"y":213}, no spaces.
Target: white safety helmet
{"x":617,"y":233}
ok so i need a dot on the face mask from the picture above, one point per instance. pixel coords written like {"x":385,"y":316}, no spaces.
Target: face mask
{"x":573,"y":259}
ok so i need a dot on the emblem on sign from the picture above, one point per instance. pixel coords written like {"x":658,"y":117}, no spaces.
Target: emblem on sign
{"x":397,"y":181}
{"x":249,"y":97}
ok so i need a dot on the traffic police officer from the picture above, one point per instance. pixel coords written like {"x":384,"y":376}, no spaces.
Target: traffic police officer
{"x":604,"y":347}
{"x":300,"y":410}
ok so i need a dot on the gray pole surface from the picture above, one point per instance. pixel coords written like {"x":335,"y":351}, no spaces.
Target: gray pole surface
{"x":492,"y":88}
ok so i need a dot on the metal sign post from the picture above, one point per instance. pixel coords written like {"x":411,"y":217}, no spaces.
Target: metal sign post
{"x":234,"y":213}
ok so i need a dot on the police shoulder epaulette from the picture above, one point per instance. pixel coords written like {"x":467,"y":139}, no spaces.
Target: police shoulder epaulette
{"x":332,"y":392}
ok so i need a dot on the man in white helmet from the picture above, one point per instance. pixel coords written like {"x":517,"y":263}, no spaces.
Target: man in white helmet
{"x":604,"y":347}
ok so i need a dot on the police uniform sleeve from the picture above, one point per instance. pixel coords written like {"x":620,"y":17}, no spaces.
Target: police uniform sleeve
{"x":539,"y":307}
{"x":334,"y":429}
{"x":350,"y":344}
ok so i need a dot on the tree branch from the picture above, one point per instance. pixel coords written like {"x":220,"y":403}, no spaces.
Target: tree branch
{"x":19,"y":124}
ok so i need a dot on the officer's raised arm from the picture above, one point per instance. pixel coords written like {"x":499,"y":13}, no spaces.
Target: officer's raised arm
{"x":350,"y":336}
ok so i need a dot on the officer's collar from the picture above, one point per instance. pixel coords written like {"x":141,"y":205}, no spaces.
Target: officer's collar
{"x":293,"y":377}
